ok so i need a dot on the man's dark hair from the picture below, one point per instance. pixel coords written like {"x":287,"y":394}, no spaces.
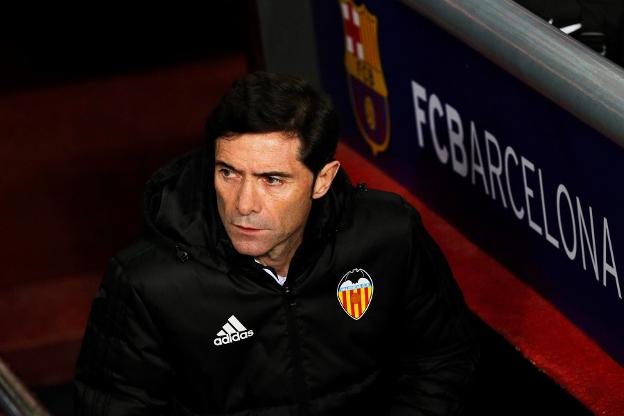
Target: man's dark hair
{"x":265,"y":102}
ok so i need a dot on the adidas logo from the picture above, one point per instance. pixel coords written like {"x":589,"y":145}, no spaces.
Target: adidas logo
{"x":232,"y":331}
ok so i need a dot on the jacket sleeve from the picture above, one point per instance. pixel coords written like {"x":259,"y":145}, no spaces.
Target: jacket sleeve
{"x":438,"y":352}
{"x":121,"y":369}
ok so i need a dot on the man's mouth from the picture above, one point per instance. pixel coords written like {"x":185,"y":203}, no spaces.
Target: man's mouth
{"x":246,"y":229}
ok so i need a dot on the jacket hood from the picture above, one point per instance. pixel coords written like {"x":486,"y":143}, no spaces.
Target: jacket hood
{"x":179,"y":208}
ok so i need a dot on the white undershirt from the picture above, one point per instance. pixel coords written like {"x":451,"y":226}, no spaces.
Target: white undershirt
{"x":279,"y":279}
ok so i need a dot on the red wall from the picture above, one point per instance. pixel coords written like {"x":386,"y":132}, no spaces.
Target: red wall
{"x":73,"y":162}
{"x":74,"y":159}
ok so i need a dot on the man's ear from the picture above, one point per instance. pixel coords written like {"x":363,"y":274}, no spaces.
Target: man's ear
{"x":324,"y":179}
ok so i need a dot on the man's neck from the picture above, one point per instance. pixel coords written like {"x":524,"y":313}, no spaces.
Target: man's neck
{"x":280,"y":265}
{"x":279,"y":259}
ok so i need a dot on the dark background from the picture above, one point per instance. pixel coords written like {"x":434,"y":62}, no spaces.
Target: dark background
{"x":41,"y":50}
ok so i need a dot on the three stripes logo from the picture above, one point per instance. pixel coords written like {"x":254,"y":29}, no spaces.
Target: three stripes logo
{"x":355,"y":292}
{"x":232,"y":331}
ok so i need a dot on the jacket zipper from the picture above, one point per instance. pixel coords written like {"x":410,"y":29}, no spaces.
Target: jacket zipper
{"x":182,"y":253}
{"x":301,"y":391}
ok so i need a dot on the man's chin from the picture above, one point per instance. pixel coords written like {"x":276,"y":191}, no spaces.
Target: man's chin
{"x":249,"y":249}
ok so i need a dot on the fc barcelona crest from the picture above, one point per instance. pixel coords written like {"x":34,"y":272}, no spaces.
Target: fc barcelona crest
{"x":367,"y":86}
{"x":355,"y":292}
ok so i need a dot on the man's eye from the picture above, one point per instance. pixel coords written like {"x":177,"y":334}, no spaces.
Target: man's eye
{"x":273,"y":180}
{"x":226,"y":173}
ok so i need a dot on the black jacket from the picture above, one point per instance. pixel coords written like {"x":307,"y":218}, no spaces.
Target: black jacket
{"x":161,"y":338}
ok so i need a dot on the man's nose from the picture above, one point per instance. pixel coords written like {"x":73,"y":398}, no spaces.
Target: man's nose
{"x":247,"y":201}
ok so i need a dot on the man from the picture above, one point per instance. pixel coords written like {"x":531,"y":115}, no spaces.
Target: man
{"x":267,"y":285}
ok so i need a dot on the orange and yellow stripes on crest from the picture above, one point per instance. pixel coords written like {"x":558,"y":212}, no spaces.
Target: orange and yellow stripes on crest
{"x":368,"y":32}
{"x":356,"y":301}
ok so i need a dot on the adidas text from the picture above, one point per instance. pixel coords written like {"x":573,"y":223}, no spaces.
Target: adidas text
{"x":233,"y":338}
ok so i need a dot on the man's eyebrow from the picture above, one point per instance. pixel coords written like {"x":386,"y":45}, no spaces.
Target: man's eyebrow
{"x":258,"y":174}
{"x":274,"y":173}
{"x":226,"y":165}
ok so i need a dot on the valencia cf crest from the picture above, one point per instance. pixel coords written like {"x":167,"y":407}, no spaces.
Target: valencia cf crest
{"x":355,"y":292}
{"x":367,"y":85}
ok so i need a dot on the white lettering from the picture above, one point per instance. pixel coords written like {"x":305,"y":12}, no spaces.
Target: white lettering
{"x":229,"y":338}
{"x":583,"y":231}
{"x":419,"y":93}
{"x":552,"y":240}
{"x":448,"y":140}
{"x":436,"y":107}
{"x":606,"y":267}
{"x":476,"y":161}
{"x":528,"y":192}
{"x":456,"y":139}
{"x":510,"y":152}
{"x":495,"y":170}
{"x":570,"y":252}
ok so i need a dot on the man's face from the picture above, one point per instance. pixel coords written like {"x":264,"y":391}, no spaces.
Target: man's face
{"x":264,"y":192}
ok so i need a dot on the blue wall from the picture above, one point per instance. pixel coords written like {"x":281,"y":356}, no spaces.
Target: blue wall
{"x":521,"y":177}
